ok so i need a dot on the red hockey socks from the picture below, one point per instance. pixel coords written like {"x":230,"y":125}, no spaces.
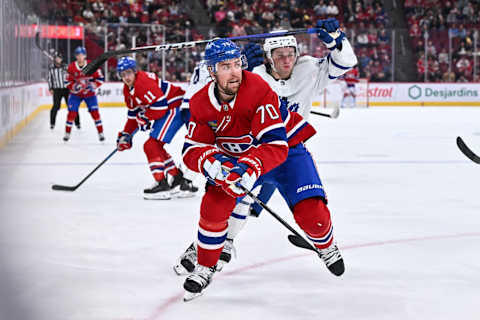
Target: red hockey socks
{"x":313,"y":216}
{"x":212,"y":229}
{"x":70,"y":119}
{"x":98,"y":122}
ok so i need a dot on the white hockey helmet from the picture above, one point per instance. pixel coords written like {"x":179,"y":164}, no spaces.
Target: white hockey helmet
{"x":279,"y":42}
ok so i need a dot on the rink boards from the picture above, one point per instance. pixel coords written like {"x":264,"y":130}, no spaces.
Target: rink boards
{"x":18,"y":105}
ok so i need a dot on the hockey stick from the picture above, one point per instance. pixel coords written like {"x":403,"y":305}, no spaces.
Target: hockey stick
{"x":296,"y":238}
{"x":75,"y":187}
{"x":467,"y":151}
{"x":333,"y":115}
{"x":37,"y":43}
{"x":100,"y":60}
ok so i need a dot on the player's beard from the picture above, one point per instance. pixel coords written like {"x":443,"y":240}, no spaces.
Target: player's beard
{"x":230,"y":87}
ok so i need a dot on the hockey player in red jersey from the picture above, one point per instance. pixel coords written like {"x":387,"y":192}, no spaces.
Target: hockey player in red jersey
{"x":238,"y":135}
{"x":150,"y":99}
{"x":349,"y":91}
{"x":82,"y":88}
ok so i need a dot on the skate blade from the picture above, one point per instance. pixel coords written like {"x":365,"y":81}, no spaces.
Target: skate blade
{"x":180,"y":270}
{"x":220,"y":265}
{"x":156,"y":196}
{"x":184,"y":194}
{"x":189,"y":296}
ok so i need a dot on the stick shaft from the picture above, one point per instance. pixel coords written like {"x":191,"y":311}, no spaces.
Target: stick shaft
{"x":276,"y":216}
{"x":73,"y":188}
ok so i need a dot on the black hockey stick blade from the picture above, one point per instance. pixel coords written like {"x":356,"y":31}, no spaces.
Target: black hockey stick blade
{"x":300,"y":242}
{"x":467,"y":151}
{"x":60,"y":187}
{"x":333,"y":115}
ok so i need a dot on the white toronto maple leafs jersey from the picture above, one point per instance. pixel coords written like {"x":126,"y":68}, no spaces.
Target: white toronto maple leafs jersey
{"x":200,"y":77}
{"x":309,"y":77}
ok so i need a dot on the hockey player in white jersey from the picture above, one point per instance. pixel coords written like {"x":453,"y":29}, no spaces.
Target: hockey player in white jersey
{"x":295,"y":79}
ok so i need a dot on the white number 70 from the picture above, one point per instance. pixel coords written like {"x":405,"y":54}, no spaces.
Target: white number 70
{"x":272,"y":112}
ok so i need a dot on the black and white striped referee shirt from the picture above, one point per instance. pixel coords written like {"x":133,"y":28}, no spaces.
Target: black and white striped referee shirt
{"x":57,"y":76}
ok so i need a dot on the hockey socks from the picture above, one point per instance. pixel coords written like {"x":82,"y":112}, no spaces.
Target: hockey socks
{"x":70,"y":119}
{"x":159,"y":160}
{"x":98,"y":122}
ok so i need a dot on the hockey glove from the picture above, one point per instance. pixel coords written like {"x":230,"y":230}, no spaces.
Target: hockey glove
{"x":92,"y":85}
{"x":216,"y":168}
{"x":327,"y":28}
{"x":142,"y":121}
{"x":244,"y":174}
{"x":124,"y":141}
{"x":254,"y":54}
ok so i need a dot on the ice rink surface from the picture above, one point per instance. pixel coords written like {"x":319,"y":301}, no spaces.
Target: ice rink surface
{"x":405,"y":205}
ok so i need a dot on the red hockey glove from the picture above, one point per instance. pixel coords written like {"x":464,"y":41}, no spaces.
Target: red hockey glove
{"x":124,"y":141}
{"x":143,"y":121}
{"x":244,"y":174}
{"x":216,"y":168}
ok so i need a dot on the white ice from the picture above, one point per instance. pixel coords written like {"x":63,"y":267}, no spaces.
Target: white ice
{"x":404,"y":200}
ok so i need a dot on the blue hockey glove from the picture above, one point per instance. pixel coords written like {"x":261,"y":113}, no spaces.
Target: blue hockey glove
{"x":326,"y":28}
{"x":254,"y":54}
{"x":216,"y":168}
{"x":143,"y":121}
{"x":124,"y":141}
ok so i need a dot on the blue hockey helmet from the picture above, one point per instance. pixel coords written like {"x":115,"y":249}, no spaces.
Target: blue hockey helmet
{"x":80,"y":50}
{"x":126,"y":63}
{"x":221,"y":50}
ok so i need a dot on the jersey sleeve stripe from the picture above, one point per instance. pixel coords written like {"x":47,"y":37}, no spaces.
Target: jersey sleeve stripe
{"x":297,"y":128}
{"x":174,"y":99}
{"x":279,"y":143}
{"x":330,"y":59}
{"x":265,"y":130}
{"x":287,"y":118}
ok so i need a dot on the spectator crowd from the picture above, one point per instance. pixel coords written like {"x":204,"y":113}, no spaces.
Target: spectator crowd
{"x":366,"y":23}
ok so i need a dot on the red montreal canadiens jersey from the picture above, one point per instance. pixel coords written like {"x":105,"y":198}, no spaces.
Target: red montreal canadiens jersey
{"x":250,"y":126}
{"x":351,"y":77}
{"x":80,"y":84}
{"x":151,"y":94}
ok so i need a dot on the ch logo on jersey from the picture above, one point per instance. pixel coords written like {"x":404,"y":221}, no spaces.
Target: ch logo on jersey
{"x":290,"y":106}
{"x":235,"y":145}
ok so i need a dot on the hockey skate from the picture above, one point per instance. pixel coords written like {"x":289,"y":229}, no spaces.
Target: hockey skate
{"x":159,"y":191}
{"x":197,"y":282}
{"x":66,"y":137}
{"x":187,"y":261}
{"x":101,"y":136}
{"x":182,"y":187}
{"x":333,"y":259}
{"x":226,"y":255}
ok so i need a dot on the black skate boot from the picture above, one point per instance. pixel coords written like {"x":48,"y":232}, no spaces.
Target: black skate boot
{"x":66,"y":137}
{"x":226,"y":255}
{"x":159,"y":191}
{"x":182,"y":187}
{"x":197,"y":282}
{"x":333,"y":259}
{"x":187,"y":261}
{"x":101,"y":136}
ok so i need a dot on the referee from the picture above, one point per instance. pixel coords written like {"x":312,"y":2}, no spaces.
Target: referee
{"x":56,"y":86}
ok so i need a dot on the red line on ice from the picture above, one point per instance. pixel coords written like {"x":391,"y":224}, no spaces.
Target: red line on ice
{"x":176,"y":298}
